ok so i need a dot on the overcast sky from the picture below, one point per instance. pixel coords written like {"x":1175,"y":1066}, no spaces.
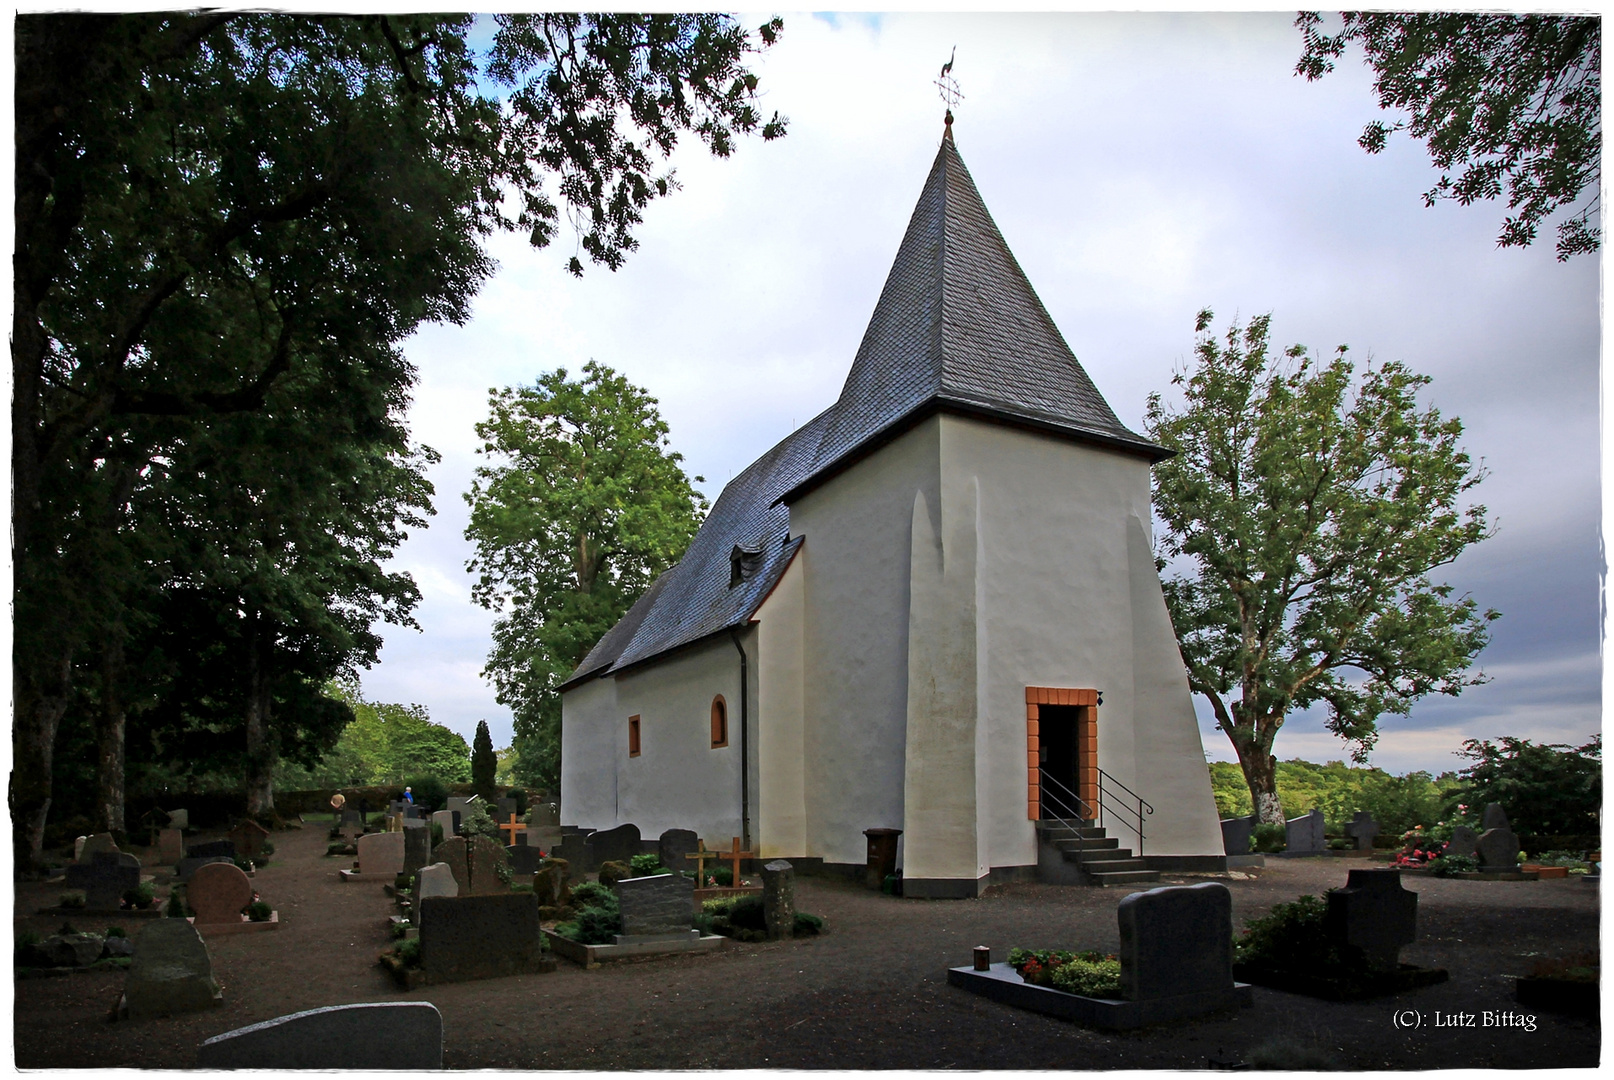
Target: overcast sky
{"x":1141,"y":167}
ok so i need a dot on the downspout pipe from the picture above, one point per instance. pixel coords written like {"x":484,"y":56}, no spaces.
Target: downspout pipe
{"x":745,"y":747}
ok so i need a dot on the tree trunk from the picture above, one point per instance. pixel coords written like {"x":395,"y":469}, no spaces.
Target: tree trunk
{"x":1261,"y":774}
{"x":110,"y":736}
{"x":260,"y":765}
{"x":40,"y":703}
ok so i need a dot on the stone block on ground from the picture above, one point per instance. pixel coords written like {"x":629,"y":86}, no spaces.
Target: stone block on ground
{"x":171,"y":972}
{"x":381,"y":853}
{"x":779,"y":899}
{"x":480,"y":937}
{"x":1176,"y":941}
{"x":1374,"y":914}
{"x":217,"y":893}
{"x":1304,"y":834}
{"x":379,"y":1036}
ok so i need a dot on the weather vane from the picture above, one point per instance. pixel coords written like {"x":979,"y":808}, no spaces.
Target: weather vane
{"x":947,"y":86}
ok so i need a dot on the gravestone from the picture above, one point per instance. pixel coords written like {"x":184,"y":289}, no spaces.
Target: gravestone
{"x":620,"y":844}
{"x":779,"y":899}
{"x":1176,"y":941}
{"x":352,"y":821}
{"x":417,"y":848}
{"x":1494,"y":817}
{"x":545,"y":838}
{"x":456,"y":853}
{"x":248,"y":838}
{"x":658,"y":908}
{"x":170,"y":847}
{"x":179,"y":819}
{"x":105,"y":879}
{"x":551,"y":883}
{"x":507,"y":808}
{"x":380,"y":853}
{"x":217,"y":893}
{"x":379,"y":1036}
{"x":1498,"y":849}
{"x":575,"y":850}
{"x":78,"y":847}
{"x":1304,"y":834}
{"x":1375,"y":914}
{"x":435,"y":880}
{"x":1464,"y":841}
{"x":480,"y":937}
{"x":486,"y":858}
{"x":524,"y":860}
{"x":187,"y":867}
{"x":171,"y":971}
{"x":1362,"y":828}
{"x":210,"y":849}
{"x":463,"y":803}
{"x":444,"y":819}
{"x":1236,"y":835}
{"x":93,"y":845}
{"x":673,"y":845}
{"x":544,"y":815}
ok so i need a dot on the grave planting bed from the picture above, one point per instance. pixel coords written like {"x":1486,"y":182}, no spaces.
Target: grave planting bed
{"x":871,"y":993}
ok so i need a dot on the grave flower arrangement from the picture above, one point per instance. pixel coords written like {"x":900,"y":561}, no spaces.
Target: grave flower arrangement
{"x":1418,"y":847}
{"x":1085,"y":974}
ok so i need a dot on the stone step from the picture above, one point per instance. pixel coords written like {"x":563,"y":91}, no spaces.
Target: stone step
{"x":1115,"y":854}
{"x":1124,"y":877}
{"x":1054,"y":830}
{"x":1109,"y":866}
{"x":1106,"y":844}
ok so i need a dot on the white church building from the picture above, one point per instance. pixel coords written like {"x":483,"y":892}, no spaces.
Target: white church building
{"x":933,"y":608}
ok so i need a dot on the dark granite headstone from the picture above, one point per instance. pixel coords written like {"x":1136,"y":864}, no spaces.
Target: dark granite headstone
{"x":655,"y":908}
{"x":620,"y":844}
{"x":674,"y":845}
{"x":1498,"y":849}
{"x":381,"y":1036}
{"x":1175,"y":941}
{"x":1375,"y":914}
{"x":1494,"y":818}
{"x":105,"y":880}
{"x":248,"y":838}
{"x":1236,"y":835}
{"x":216,"y":847}
{"x":1362,"y":828}
{"x":417,"y":848}
{"x":524,"y":860}
{"x":1464,"y":841}
{"x":574,"y":848}
{"x":187,"y":867}
{"x":479,"y":937}
{"x":1304,"y":834}
{"x":507,"y":807}
{"x":779,"y":899}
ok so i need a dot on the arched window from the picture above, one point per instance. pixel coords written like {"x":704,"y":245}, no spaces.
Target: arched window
{"x":720,"y":722}
{"x":633,"y":736}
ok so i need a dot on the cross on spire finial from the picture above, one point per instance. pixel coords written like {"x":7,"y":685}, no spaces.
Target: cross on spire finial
{"x":947,"y":86}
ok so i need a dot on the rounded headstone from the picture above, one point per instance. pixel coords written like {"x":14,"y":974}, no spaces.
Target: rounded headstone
{"x":217,"y":892}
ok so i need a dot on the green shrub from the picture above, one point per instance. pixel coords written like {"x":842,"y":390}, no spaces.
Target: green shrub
{"x":175,"y":908}
{"x":243,"y":863}
{"x":142,"y":896}
{"x":1448,"y":865}
{"x":115,"y":931}
{"x":74,"y":899}
{"x":437,"y":834}
{"x":807,"y":925}
{"x":717,"y":906}
{"x":409,"y":952}
{"x":476,"y":821}
{"x":1268,"y":839}
{"x":1099,"y":978}
{"x":723,"y":875}
{"x":1293,"y":937}
{"x":747,"y":913}
{"x":647,"y":865}
{"x":266,"y":849}
{"x":258,"y":911}
{"x":429,"y":792}
{"x":593,"y":894}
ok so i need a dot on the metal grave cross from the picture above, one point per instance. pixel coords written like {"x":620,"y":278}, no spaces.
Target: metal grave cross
{"x":734,"y":855}
{"x":513,"y":828}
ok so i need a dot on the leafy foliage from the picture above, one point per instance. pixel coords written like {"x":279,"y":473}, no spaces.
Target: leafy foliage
{"x":647,"y":865}
{"x":1546,"y":788}
{"x":387,"y":744}
{"x":1090,"y":974}
{"x":475,"y":820}
{"x":589,"y":510}
{"x":1294,"y":937}
{"x":1512,"y":100}
{"x":1397,"y":803}
{"x":1310,"y":506}
{"x":1449,"y":865}
{"x":598,"y":919}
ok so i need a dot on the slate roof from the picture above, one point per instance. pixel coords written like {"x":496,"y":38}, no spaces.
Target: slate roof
{"x":958,"y":328}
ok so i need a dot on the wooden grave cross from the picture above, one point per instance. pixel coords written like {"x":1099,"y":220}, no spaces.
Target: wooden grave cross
{"x":701,"y":855}
{"x":512,"y":829}
{"x":734,"y":855}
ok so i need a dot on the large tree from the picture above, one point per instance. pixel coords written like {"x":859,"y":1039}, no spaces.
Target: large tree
{"x":210,"y":205}
{"x":1545,"y":788}
{"x":1310,"y":506}
{"x":1514,"y":101}
{"x":587,"y":509}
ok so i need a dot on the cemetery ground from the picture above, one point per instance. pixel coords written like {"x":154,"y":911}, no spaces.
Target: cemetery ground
{"x":871,"y":993}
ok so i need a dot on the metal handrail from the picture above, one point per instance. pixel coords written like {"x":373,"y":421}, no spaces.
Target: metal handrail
{"x":1082,"y":810}
{"x":1143,"y":808}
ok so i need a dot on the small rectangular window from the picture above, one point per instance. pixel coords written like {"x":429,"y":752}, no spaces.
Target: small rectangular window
{"x":633,"y":736}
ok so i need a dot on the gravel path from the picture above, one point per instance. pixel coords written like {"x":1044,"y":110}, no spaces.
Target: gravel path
{"x":869,"y":994}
